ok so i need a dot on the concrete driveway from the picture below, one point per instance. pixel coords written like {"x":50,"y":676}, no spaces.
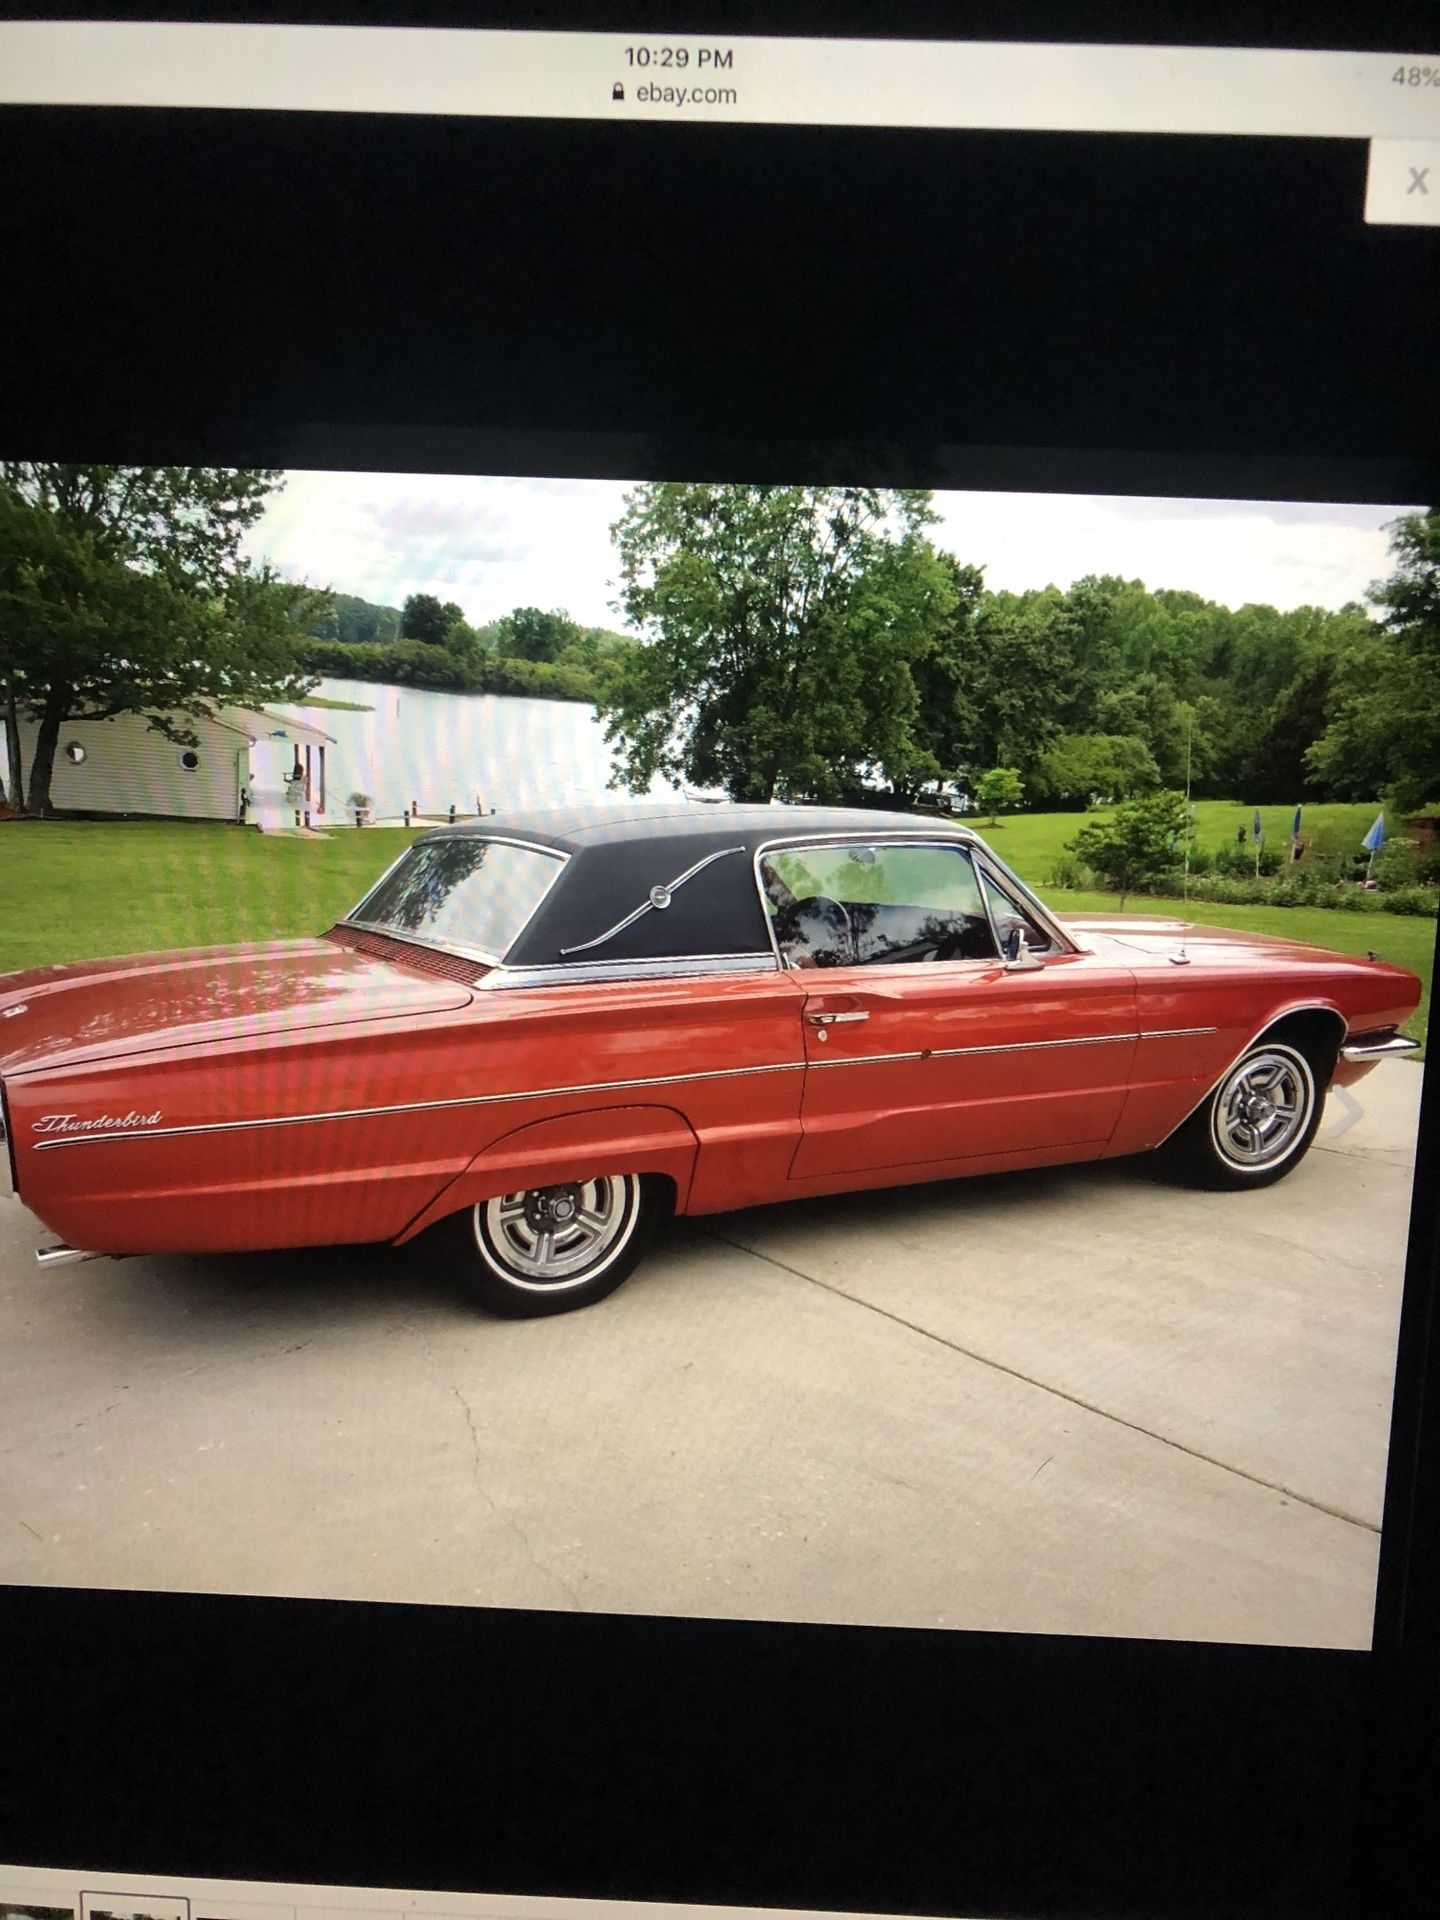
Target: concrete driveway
{"x":1073,"y":1401}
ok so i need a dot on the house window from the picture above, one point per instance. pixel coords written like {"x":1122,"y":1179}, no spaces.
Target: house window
{"x":74,"y":752}
{"x":189,"y":760}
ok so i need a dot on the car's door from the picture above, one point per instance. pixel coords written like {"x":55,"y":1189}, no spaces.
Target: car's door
{"x":922,"y":1042}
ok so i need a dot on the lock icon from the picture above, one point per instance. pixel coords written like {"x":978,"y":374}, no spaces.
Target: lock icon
{"x":617,"y":92}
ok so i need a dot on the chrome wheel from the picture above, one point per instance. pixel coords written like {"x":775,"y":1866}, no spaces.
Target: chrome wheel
{"x":1261,"y":1111}
{"x":553,"y":1238}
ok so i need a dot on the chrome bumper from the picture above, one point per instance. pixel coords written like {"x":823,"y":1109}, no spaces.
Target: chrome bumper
{"x":1367,"y":1050}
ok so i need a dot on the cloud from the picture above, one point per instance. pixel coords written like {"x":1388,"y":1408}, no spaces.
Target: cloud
{"x":494,"y":543}
{"x":437,"y":533}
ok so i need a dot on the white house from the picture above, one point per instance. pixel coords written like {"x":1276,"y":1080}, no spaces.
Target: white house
{"x":124,"y":766}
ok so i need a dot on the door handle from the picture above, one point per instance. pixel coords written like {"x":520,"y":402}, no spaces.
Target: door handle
{"x":835,"y":1019}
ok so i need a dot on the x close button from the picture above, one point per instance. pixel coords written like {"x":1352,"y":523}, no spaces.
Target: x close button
{"x":1403,"y":188}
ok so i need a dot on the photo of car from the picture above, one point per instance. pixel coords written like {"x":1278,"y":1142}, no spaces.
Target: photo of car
{"x":539,"y":1035}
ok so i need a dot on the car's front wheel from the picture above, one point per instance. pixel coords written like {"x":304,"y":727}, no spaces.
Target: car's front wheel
{"x":1259,"y":1121}
{"x":555,"y":1248}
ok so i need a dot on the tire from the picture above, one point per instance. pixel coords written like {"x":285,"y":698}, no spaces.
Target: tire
{"x":1257,"y":1125}
{"x":555,"y":1249}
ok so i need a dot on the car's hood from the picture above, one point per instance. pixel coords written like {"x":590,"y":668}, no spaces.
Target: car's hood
{"x":102,"y":1008}
{"x":1134,"y":938}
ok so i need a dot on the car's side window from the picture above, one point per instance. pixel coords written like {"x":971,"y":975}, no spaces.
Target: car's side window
{"x":1009,"y":912}
{"x":875,"y":904}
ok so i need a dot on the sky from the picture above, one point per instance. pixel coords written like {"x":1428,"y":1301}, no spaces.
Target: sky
{"x":493,"y":544}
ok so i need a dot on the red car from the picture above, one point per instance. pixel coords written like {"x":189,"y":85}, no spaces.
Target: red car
{"x":539,"y":1038}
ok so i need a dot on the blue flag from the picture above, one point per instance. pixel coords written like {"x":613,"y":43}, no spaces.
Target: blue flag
{"x":1295,"y":824}
{"x":1257,"y":828}
{"x":1375,"y":838}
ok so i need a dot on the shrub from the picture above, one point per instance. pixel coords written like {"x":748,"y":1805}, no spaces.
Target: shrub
{"x":1230,"y":890}
{"x":1397,"y":864}
{"x":1358,"y":900}
{"x":1069,"y":872}
{"x":1419,"y":901}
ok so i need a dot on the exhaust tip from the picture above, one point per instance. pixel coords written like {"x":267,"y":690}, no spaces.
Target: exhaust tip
{"x":62,"y":1256}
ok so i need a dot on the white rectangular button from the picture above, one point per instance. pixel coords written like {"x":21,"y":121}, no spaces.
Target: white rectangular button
{"x":1403,"y":186}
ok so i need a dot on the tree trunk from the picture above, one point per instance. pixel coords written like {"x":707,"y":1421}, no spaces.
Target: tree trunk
{"x":52,"y":718}
{"x":12,"y":749}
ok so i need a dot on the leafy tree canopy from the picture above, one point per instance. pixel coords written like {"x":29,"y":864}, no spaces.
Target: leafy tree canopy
{"x":1384,"y":727}
{"x":428,"y":619}
{"x":530,"y":634}
{"x":999,"y":790}
{"x":780,"y":625}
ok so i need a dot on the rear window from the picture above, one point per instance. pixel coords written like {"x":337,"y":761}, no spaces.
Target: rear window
{"x":470,"y":895}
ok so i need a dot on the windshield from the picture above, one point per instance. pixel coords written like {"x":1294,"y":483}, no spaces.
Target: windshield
{"x":471,"y":895}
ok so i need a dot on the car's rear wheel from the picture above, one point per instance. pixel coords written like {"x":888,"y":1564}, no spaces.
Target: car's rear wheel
{"x":552,"y":1249}
{"x":1258,"y":1123}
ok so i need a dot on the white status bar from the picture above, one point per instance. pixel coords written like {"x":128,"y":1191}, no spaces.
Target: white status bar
{"x":716,"y":77}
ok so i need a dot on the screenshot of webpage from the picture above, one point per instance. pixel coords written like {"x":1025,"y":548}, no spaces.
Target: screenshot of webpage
{"x":834,"y":1040}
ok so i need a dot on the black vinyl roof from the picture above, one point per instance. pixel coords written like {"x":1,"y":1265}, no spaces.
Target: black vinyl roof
{"x":574,"y":829}
{"x":618,"y":852}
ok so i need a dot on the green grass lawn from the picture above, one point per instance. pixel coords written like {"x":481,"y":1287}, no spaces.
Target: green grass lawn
{"x":76,"y":890}
{"x":336,"y":706}
{"x":1031,"y":841}
{"x":73,"y":890}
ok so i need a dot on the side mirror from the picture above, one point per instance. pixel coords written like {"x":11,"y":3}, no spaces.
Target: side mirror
{"x":1018,"y":957}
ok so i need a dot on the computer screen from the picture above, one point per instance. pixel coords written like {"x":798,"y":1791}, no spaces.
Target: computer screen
{"x":719,"y":851}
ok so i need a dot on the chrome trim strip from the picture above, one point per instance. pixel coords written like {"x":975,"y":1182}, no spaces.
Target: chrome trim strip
{"x":593,"y":1086}
{"x":562,"y":860}
{"x":668,"y":967}
{"x":1175,"y":1033}
{"x":956,"y":1053}
{"x":1392,"y":1048}
{"x":667,"y":888}
{"x":421,"y":1106}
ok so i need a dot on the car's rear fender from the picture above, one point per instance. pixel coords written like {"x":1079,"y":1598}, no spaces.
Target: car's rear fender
{"x":572,"y":1147}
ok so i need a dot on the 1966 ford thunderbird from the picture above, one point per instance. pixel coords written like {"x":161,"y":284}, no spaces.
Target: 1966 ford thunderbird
{"x":535,"y":1038}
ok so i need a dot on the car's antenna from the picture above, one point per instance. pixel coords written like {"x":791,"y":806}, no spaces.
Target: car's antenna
{"x":1182,"y":958}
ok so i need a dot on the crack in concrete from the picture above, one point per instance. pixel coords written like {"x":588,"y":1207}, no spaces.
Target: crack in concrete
{"x":506,"y":1520}
{"x":1060,"y":1393}
{"x":27,"y":1526}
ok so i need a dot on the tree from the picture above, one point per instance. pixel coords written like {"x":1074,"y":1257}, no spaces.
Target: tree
{"x":1021,"y":682}
{"x":1081,"y":766}
{"x":999,"y":791}
{"x":1143,"y":839}
{"x":530,"y":634}
{"x":124,"y":590}
{"x":779,"y":624}
{"x":428,"y":619}
{"x":942,"y":734}
{"x":354,"y":621}
{"x":1384,"y":725}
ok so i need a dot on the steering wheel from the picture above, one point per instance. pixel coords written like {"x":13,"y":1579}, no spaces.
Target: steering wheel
{"x":805,"y":923}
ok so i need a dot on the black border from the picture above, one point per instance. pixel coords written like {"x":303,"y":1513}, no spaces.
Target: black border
{"x":688,"y":1760}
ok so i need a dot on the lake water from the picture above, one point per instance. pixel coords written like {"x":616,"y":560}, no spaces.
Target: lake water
{"x":443,"y":749}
